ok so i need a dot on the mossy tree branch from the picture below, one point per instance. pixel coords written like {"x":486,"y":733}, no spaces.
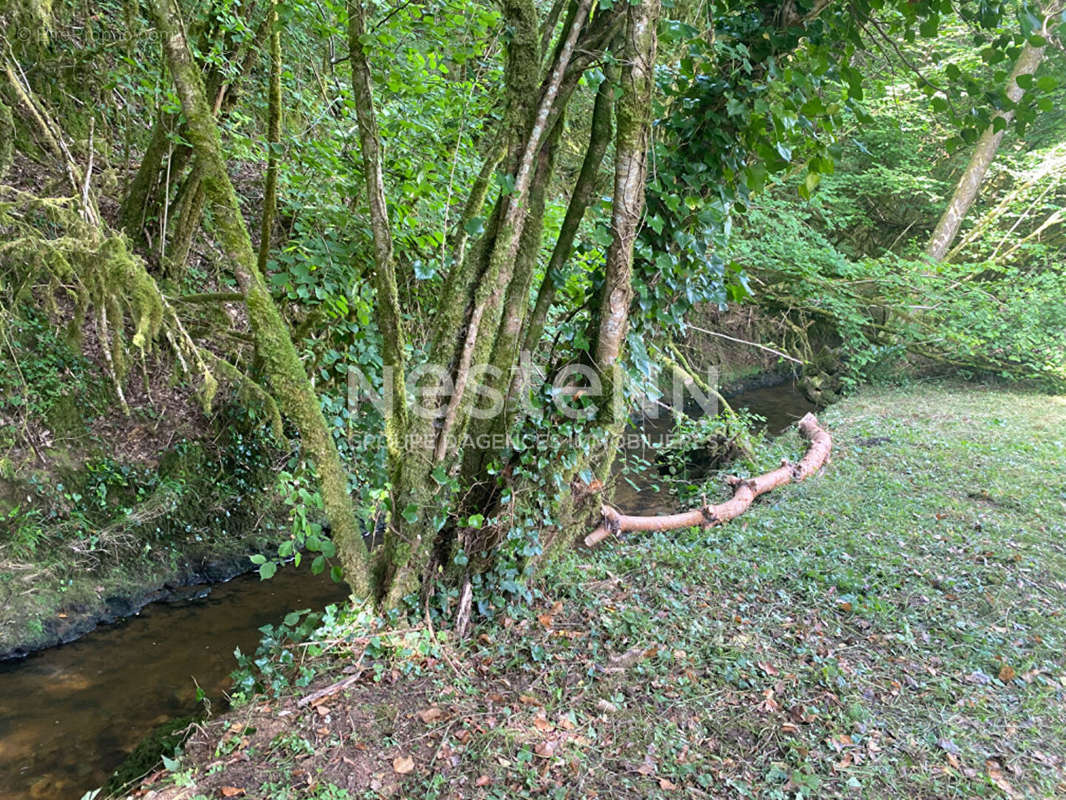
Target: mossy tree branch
{"x":288,"y":380}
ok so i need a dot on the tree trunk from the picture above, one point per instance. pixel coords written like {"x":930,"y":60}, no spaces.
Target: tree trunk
{"x":970,"y":181}
{"x":599,"y":138}
{"x":288,"y":380}
{"x":270,"y":183}
{"x":630,"y":168}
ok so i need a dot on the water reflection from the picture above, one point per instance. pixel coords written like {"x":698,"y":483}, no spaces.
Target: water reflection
{"x":69,"y":715}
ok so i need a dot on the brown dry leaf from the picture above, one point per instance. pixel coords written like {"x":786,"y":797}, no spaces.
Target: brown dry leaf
{"x":547,"y":748}
{"x":768,"y":668}
{"x":484,"y":780}
{"x":546,"y":620}
{"x":231,"y":791}
{"x":996,"y":776}
{"x":322,"y":710}
{"x":432,"y":714}
{"x":529,"y":700}
{"x":565,"y":723}
{"x":954,"y":761}
{"x":647,"y":767}
{"x":540,"y":722}
{"x":1006,"y":673}
{"x":403,"y":764}
{"x":666,"y":784}
{"x":557,"y":607}
{"x":844,"y":763}
{"x":769,"y":704}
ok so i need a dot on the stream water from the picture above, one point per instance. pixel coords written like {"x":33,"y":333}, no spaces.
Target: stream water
{"x":69,"y":715}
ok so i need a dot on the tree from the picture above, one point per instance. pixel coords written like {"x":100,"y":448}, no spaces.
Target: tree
{"x":969,"y":182}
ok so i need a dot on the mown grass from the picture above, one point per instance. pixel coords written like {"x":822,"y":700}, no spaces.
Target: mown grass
{"x":891,"y":628}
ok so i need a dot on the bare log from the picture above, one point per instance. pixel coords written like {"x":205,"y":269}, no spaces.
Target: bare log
{"x":744,"y":493}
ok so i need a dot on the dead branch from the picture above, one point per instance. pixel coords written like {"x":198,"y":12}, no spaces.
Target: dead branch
{"x":744,"y":493}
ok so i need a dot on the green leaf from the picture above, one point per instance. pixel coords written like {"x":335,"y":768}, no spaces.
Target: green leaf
{"x":259,"y":559}
{"x":475,"y":226}
{"x":318,"y":565}
{"x":410,"y":513}
{"x":423,"y":270}
{"x":267,"y":570}
{"x":336,"y":573}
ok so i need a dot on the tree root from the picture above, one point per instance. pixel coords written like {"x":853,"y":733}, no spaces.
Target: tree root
{"x":744,"y":493}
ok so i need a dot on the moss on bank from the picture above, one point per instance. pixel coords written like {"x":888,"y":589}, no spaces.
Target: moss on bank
{"x":100,"y":513}
{"x":890,"y":628}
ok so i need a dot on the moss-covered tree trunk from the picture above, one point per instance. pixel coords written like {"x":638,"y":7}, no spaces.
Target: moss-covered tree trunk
{"x":288,"y":380}
{"x":270,"y":183}
{"x":633,"y":123}
{"x":581,"y":197}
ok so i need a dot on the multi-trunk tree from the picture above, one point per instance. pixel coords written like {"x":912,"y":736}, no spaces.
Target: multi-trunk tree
{"x":613,"y":147}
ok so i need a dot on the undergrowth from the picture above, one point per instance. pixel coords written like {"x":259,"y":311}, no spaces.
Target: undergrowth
{"x":888,"y":628}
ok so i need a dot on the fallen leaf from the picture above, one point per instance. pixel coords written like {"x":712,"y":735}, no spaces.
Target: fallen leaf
{"x":529,"y":700}
{"x":540,"y":722}
{"x":546,"y":620}
{"x":547,"y":748}
{"x":666,"y":784}
{"x":403,"y":764}
{"x":428,"y":715}
{"x":484,"y":780}
{"x":996,"y":776}
{"x":1006,"y":673}
{"x":769,"y":669}
{"x":231,"y":791}
{"x":322,"y":710}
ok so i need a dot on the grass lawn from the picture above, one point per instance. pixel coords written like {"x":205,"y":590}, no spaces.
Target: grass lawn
{"x":890,"y":628}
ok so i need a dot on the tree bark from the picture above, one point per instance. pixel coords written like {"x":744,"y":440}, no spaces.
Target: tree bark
{"x":270,"y":183}
{"x":744,"y":493}
{"x":969,"y":182}
{"x":599,"y":138}
{"x":630,"y":167}
{"x":288,"y":379}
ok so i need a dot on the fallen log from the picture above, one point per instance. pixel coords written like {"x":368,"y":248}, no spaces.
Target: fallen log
{"x":744,"y":493}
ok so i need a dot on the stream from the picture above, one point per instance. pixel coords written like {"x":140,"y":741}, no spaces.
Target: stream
{"x":70,"y":714}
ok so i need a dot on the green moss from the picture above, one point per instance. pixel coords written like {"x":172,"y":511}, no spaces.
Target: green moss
{"x":163,"y":741}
